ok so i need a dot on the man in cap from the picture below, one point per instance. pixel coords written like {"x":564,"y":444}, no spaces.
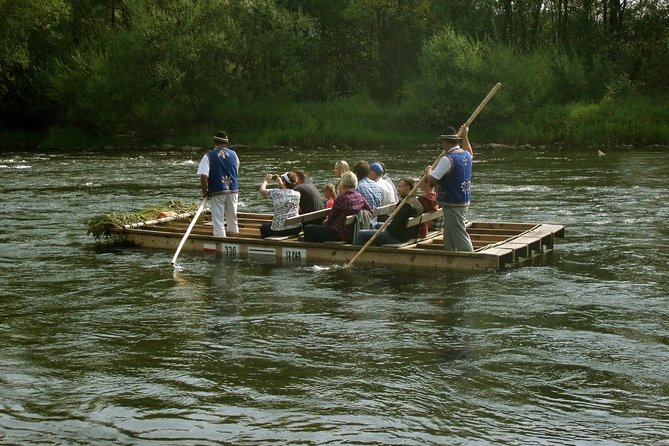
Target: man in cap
{"x":453,"y":176}
{"x":388,"y":191}
{"x":218,"y":172}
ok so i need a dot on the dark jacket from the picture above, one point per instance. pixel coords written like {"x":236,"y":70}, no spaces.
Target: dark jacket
{"x":398,"y":227}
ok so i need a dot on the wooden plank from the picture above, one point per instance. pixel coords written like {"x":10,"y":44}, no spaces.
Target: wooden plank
{"x":310,"y":216}
{"x":383,"y":210}
{"x":255,"y":216}
{"x":489,"y":238}
{"x":424,"y":217}
{"x":533,"y":243}
{"x":503,"y":232}
{"x":558,"y":230}
{"x":505,"y":256}
{"x":502,"y":225}
{"x":519,"y":249}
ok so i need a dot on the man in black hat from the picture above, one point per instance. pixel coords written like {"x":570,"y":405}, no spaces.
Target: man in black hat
{"x":453,"y":175}
{"x":218,"y":170}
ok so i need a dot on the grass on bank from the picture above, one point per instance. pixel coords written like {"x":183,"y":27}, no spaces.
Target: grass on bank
{"x":361,"y":122}
{"x":632,"y":120}
{"x":355,"y":121}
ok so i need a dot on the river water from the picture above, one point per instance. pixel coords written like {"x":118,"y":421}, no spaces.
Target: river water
{"x":105,"y":344}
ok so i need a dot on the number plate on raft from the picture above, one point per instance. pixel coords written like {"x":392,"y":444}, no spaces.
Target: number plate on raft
{"x":292,"y":255}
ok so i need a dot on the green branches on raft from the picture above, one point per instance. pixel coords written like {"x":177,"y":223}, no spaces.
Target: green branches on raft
{"x":102,"y":225}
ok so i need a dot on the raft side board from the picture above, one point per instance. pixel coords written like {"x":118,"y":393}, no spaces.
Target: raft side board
{"x":501,"y":225}
{"x":322,"y":252}
{"x":496,"y":244}
{"x":310,"y":216}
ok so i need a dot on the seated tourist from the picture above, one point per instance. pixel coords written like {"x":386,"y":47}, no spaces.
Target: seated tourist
{"x":348,"y":202}
{"x":286,"y":204}
{"x":388,"y":191}
{"x":340,"y":168}
{"x":368,"y":188}
{"x":429,"y":202}
{"x":330,"y":193}
{"x":396,"y":231}
{"x":310,"y":198}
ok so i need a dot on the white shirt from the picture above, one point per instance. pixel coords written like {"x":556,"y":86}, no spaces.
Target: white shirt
{"x":388,"y":191}
{"x":444,"y":166}
{"x":203,"y":168}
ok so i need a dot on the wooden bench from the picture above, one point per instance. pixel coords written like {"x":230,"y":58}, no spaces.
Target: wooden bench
{"x":301,"y":219}
{"x":382,"y":210}
{"x":413,"y":221}
{"x":309,"y":216}
{"x":424,"y":217}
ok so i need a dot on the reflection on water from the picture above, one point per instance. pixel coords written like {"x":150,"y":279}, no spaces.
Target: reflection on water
{"x":111,"y":344}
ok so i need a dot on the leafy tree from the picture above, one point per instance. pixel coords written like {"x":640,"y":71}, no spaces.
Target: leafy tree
{"x":452,"y":66}
{"x":175,"y":63}
{"x":32,"y":33}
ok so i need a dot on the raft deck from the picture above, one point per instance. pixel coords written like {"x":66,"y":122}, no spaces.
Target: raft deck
{"x":497,"y":245}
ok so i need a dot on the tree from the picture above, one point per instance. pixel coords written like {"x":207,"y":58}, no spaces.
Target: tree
{"x":33,"y":32}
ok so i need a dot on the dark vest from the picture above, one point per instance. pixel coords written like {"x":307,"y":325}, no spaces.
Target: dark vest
{"x":222,"y":171}
{"x":455,"y":187}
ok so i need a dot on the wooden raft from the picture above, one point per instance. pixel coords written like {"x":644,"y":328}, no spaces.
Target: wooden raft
{"x":496,"y":244}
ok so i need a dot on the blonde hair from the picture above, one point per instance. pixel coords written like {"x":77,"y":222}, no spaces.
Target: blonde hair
{"x":330,"y":187}
{"x":342,"y":165}
{"x":348,"y":179}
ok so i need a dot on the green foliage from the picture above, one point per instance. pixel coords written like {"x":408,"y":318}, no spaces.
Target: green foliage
{"x":176,"y":62}
{"x":355,"y":120}
{"x":450,"y":82}
{"x":634,"y":119}
{"x":456,"y":73}
{"x":32,"y":34}
{"x":159,"y":68}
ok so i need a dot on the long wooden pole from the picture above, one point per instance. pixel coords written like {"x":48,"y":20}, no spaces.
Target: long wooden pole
{"x":399,"y":206}
{"x":190,"y":228}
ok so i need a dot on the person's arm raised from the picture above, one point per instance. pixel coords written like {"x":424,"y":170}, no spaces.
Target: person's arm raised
{"x":464,"y":133}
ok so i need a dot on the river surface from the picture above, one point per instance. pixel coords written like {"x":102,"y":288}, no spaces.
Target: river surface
{"x":105,"y":344}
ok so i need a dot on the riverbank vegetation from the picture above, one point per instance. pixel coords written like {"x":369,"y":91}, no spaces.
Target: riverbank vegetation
{"x":322,"y":72}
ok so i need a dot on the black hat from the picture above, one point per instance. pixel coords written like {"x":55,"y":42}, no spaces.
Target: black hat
{"x":450,"y":134}
{"x":221,"y":136}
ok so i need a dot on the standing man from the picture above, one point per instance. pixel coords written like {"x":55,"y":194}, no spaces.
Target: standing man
{"x":453,"y":175}
{"x":218,"y":172}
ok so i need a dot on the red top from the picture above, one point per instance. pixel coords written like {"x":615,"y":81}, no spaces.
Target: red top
{"x":429,"y":202}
